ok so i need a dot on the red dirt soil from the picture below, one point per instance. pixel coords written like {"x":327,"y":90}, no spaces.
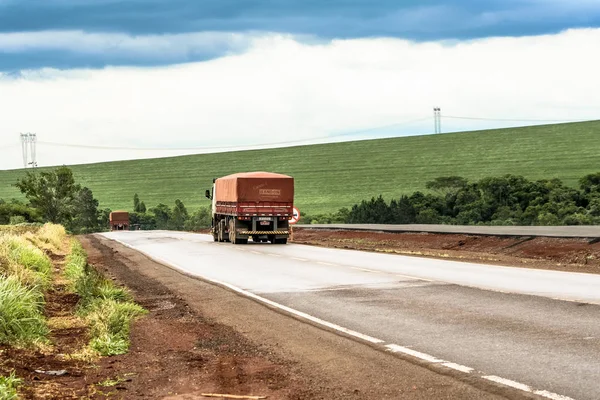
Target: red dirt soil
{"x":575,"y":255}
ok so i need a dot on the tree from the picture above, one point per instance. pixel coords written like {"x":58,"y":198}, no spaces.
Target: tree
{"x":179,"y":216}
{"x":199,"y":220}
{"x":136,"y":203}
{"x":402,"y":211}
{"x":142,"y":208}
{"x":85,"y":212}
{"x":142,"y":221}
{"x":104,"y":218}
{"x":9,"y":211}
{"x":590,"y":183}
{"x":162,"y":215}
{"x":51,"y":193}
{"x":447,"y":184}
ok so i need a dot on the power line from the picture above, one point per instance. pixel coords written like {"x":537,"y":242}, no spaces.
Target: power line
{"x":516,"y":119}
{"x":83,"y":146}
{"x":8,"y":146}
{"x":303,"y":141}
{"x":352,"y":133}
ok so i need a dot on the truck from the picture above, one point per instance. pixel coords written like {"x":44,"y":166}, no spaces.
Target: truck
{"x":119,"y":220}
{"x":252,"y":205}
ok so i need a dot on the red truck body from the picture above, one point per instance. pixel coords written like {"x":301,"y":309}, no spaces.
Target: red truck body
{"x":255,"y":194}
{"x":119,"y":220}
{"x":255,"y":205}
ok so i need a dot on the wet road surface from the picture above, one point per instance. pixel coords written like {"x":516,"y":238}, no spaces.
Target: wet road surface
{"x":500,"y":322}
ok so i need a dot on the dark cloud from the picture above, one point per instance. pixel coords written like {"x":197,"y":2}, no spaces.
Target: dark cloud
{"x":418,"y":20}
{"x":331,"y":18}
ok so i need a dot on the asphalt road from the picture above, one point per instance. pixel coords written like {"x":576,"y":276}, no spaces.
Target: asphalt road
{"x":588,"y":232}
{"x":496,"y":323}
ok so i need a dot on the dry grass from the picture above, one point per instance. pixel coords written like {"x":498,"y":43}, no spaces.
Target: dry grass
{"x":66,"y":322}
{"x":50,"y":237}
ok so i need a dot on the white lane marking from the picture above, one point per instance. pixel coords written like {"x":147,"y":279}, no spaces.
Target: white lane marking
{"x":458,"y":367}
{"x":413,"y":278}
{"x":298,"y":259}
{"x":394,"y":348}
{"x":508,"y":382}
{"x":364,"y":269}
{"x":391,"y":347}
{"x":255,"y":252}
{"x":328,"y":264}
{"x":273,"y":255}
{"x":550,"y":395}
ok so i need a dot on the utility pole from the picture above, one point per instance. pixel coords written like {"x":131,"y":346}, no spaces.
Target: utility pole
{"x":437,"y":119}
{"x":28,"y":144}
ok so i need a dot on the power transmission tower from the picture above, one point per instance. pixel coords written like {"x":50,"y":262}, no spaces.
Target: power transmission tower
{"x":437,"y":119}
{"x":28,"y":143}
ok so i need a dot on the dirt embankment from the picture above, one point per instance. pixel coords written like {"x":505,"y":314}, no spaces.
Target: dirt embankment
{"x":575,"y":255}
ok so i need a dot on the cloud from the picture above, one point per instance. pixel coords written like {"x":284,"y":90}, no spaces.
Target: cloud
{"x":124,"y":48}
{"x":460,"y":19}
{"x":67,"y":34}
{"x":284,"y":89}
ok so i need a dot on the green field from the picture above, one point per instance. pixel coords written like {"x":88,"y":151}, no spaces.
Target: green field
{"x":332,"y":176}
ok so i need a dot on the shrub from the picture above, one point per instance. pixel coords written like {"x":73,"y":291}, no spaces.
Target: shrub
{"x":17,"y":219}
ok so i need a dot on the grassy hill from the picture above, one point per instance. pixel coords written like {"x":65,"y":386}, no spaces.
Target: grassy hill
{"x":332,"y":176}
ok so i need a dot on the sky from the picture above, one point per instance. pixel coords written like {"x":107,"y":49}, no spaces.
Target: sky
{"x":100,"y":80}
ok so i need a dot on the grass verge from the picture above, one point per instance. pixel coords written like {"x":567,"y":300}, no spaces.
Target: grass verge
{"x":22,"y":320}
{"x":107,"y":309}
{"x":25,"y":273}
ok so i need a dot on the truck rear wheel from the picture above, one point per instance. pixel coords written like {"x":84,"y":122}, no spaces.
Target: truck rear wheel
{"x":281,"y":241}
{"x":222,"y":233}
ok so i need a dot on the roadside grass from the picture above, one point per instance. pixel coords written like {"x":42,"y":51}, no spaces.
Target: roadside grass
{"x":331,"y":176}
{"x":49,"y":237}
{"x":22,"y":320}
{"x":19,"y":257}
{"x":108,"y":310}
{"x":8,"y":386}
{"x":25,"y":273}
{"x":20,"y":229}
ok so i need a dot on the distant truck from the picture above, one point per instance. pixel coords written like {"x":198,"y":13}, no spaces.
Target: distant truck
{"x":257,"y":205}
{"x":119,"y":221}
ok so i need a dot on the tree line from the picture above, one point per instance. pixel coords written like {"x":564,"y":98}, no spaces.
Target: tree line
{"x":506,"y":200}
{"x":164,"y":217}
{"x":54,"y":196}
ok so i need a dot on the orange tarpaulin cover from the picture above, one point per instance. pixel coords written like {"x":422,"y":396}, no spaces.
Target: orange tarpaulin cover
{"x":255,"y":187}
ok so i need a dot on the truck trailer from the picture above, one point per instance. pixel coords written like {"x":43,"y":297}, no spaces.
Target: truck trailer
{"x":119,"y":221}
{"x":256,"y":205}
